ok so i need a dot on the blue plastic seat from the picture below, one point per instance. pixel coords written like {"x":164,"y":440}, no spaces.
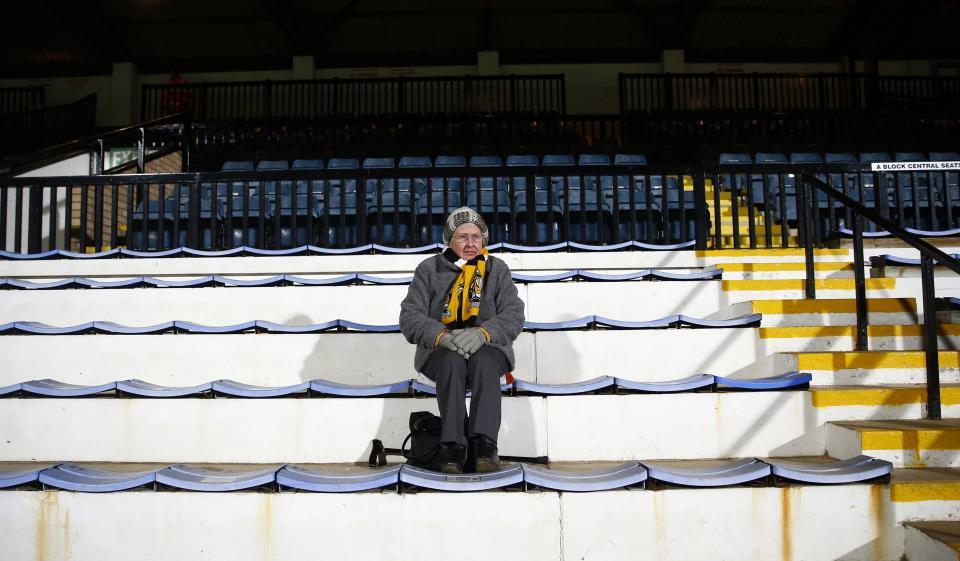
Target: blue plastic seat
{"x":690,"y":383}
{"x":853,"y":470}
{"x":586,"y":386}
{"x":86,"y":479}
{"x":216,"y":478}
{"x":239,"y":389}
{"x":191,"y":327}
{"x":14,"y":474}
{"x":577,"y":323}
{"x":708,"y":474}
{"x":152,"y":225}
{"x":441,"y":195}
{"x":54,"y":388}
{"x":326,"y":387}
{"x":327,"y":480}
{"x":638,"y":219}
{"x":146,"y":389}
{"x":627,"y":474}
{"x":788,"y":380}
{"x":511,"y":475}
{"x":390,"y":206}
{"x":338,"y":210}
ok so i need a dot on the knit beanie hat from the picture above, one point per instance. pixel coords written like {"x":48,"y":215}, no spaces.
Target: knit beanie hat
{"x":459,"y":217}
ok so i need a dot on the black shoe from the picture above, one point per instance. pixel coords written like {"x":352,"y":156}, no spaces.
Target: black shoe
{"x":452,"y":456}
{"x":486,"y":454}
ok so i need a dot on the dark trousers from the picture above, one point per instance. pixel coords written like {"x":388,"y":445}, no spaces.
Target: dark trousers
{"x":453,"y":374}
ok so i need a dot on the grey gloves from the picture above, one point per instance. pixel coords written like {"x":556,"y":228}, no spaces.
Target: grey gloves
{"x":446,"y":342}
{"x":464,"y":342}
{"x":468,"y":340}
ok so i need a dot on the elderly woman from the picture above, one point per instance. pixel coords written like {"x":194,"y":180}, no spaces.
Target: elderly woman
{"x":463,"y":313}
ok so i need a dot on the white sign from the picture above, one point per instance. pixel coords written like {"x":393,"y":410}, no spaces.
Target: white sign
{"x":913,"y":166}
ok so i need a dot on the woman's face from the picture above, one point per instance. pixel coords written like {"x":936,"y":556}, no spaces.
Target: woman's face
{"x":467,"y":241}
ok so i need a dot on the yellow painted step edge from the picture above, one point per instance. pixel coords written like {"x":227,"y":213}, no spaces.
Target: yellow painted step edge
{"x":833,"y":305}
{"x":879,"y":396}
{"x":915,"y":491}
{"x":793,"y":251}
{"x":779,"y":267}
{"x":920,"y":439}
{"x":948,"y":329}
{"x":798,"y":284}
{"x":832,"y":361}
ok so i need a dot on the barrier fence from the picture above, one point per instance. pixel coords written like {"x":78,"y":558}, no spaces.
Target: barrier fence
{"x":776,"y":93}
{"x":310,"y":99}
{"x":20,"y":100}
{"x":730,"y":206}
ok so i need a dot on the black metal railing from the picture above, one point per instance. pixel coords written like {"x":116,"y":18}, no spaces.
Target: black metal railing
{"x":28,"y":130}
{"x":163,"y":133}
{"x":310,"y":99}
{"x":757,"y":206}
{"x":929,"y":255}
{"x":539,"y":205}
{"x":21,"y":100}
{"x":786,"y":93}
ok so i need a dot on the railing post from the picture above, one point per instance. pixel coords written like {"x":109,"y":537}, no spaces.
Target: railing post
{"x":860,"y":283}
{"x":700,"y":209}
{"x":141,"y":149}
{"x":98,"y":165}
{"x":931,"y":346}
{"x":810,"y":281}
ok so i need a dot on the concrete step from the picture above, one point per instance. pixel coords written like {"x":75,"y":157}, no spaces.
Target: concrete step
{"x":363,"y":358}
{"x":786,"y":285}
{"x":826,"y":312}
{"x":772,"y":271}
{"x":907,"y":443}
{"x":874,"y":367}
{"x":746,"y":523}
{"x":621,"y":427}
{"x":933,"y":541}
{"x":771,"y":255}
{"x":303,"y":305}
{"x":843,"y":338}
{"x":727,"y":241}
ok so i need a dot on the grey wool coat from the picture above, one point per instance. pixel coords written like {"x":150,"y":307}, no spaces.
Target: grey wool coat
{"x":501,"y":310}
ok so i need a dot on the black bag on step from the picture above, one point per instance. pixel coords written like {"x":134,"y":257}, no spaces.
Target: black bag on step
{"x":424,"y":439}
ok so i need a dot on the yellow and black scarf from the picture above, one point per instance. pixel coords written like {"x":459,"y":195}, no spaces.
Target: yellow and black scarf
{"x":463,"y":304}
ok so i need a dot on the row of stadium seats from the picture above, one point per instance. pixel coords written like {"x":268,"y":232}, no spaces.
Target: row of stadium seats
{"x":411,"y":387}
{"x":908,"y":199}
{"x":404,"y":211}
{"x":337,"y":479}
{"x":264,"y":326}
{"x":577,"y":275}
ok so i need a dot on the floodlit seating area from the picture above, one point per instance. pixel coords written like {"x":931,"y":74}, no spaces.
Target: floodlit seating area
{"x":665,"y":377}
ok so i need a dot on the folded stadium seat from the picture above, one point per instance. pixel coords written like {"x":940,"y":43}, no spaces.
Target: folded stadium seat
{"x":547,"y":212}
{"x":952,"y":181}
{"x":911,"y":191}
{"x":440,"y":195}
{"x":338,"y":212}
{"x":152,"y":227}
{"x":681,"y":219}
{"x":869,"y":189}
{"x":487,"y":193}
{"x":632,"y":217}
{"x":727,"y":182}
{"x":584,"y":205}
{"x":390,"y":206}
{"x":314,"y":186}
{"x":769,"y":182}
{"x":845,"y":182}
{"x":234,"y":198}
{"x":209,"y":216}
{"x":790,"y":185}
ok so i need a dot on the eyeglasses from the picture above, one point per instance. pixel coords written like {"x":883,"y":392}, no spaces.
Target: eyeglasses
{"x":463,"y":238}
